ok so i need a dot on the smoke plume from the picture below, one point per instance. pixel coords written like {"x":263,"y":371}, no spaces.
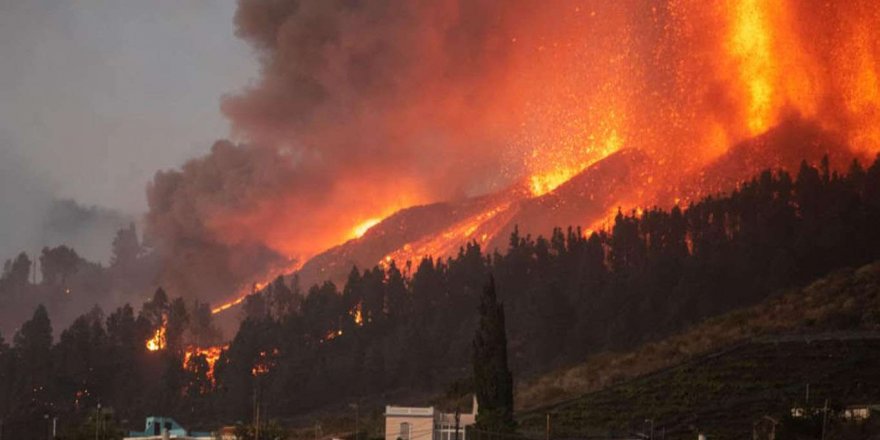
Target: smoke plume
{"x":363,"y":108}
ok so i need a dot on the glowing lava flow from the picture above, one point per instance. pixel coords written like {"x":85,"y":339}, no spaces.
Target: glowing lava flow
{"x":479,"y":227}
{"x":750,"y":44}
{"x":356,"y":232}
{"x":362,"y":228}
{"x":542,"y":183}
{"x":256,"y":287}
{"x":238,"y":300}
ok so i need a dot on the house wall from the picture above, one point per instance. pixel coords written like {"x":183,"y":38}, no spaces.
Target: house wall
{"x":426,"y":423}
{"x":420,"y":427}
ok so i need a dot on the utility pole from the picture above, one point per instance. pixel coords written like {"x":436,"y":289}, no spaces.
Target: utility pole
{"x":457,"y":422}
{"x":824,"y":418}
{"x":547,"y":434}
{"x":357,"y":419}
{"x":256,"y":407}
{"x":97,"y":417}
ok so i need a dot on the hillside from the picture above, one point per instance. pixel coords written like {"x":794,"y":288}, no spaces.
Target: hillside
{"x":723,"y":374}
{"x":623,"y":179}
{"x":567,"y":297}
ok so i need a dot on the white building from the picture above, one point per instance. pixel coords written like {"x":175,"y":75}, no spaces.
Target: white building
{"x":426,"y":423}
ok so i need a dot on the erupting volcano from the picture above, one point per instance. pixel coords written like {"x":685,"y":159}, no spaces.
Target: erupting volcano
{"x":411,"y":128}
{"x":419,"y":200}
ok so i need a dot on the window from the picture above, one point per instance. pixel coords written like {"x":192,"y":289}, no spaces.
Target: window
{"x":447,"y":432}
{"x":858,"y":413}
{"x":404,"y":431}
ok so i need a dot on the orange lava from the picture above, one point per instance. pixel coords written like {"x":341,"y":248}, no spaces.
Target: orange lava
{"x":480,"y":227}
{"x":257,"y":286}
{"x":559,"y":86}
{"x":362,"y":228}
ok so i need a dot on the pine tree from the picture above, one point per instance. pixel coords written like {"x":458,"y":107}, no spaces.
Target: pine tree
{"x":492,"y":378}
{"x":33,"y":345}
{"x":126,"y":248}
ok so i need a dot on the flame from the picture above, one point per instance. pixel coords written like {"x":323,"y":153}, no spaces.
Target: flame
{"x":362,"y":228}
{"x":332,"y":335}
{"x":157,"y":342}
{"x":357,"y":314}
{"x":264,"y":363}
{"x":211,"y":354}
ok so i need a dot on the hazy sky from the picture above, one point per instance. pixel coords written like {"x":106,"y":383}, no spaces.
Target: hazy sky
{"x":95,"y":96}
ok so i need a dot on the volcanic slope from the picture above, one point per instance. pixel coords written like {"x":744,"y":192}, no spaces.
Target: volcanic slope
{"x":727,"y":372}
{"x":623,"y":180}
{"x":440,"y":229}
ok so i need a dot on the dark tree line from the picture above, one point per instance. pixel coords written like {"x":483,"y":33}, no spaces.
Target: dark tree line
{"x":411,"y":328}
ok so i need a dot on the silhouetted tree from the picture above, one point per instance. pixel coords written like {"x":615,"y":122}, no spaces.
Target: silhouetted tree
{"x":492,"y":378}
{"x":126,"y":248}
{"x":156,"y":310}
{"x":32,"y":394}
{"x":58,"y":264}
{"x":19,"y":271}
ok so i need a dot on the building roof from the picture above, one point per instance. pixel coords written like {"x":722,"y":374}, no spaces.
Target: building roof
{"x":409,"y":411}
{"x":154,"y":425}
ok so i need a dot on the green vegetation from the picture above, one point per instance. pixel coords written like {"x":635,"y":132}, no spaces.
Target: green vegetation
{"x":724,"y":374}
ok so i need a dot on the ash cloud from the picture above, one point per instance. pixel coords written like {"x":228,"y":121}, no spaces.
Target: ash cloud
{"x":362,"y":107}
{"x":365,"y":107}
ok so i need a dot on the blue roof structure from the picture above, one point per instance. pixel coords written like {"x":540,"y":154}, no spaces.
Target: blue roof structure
{"x":155,"y":425}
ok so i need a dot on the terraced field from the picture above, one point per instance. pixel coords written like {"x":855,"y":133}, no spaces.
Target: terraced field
{"x":724,"y":393}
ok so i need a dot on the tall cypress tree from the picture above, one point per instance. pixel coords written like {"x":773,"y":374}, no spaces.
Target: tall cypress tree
{"x":492,"y":378}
